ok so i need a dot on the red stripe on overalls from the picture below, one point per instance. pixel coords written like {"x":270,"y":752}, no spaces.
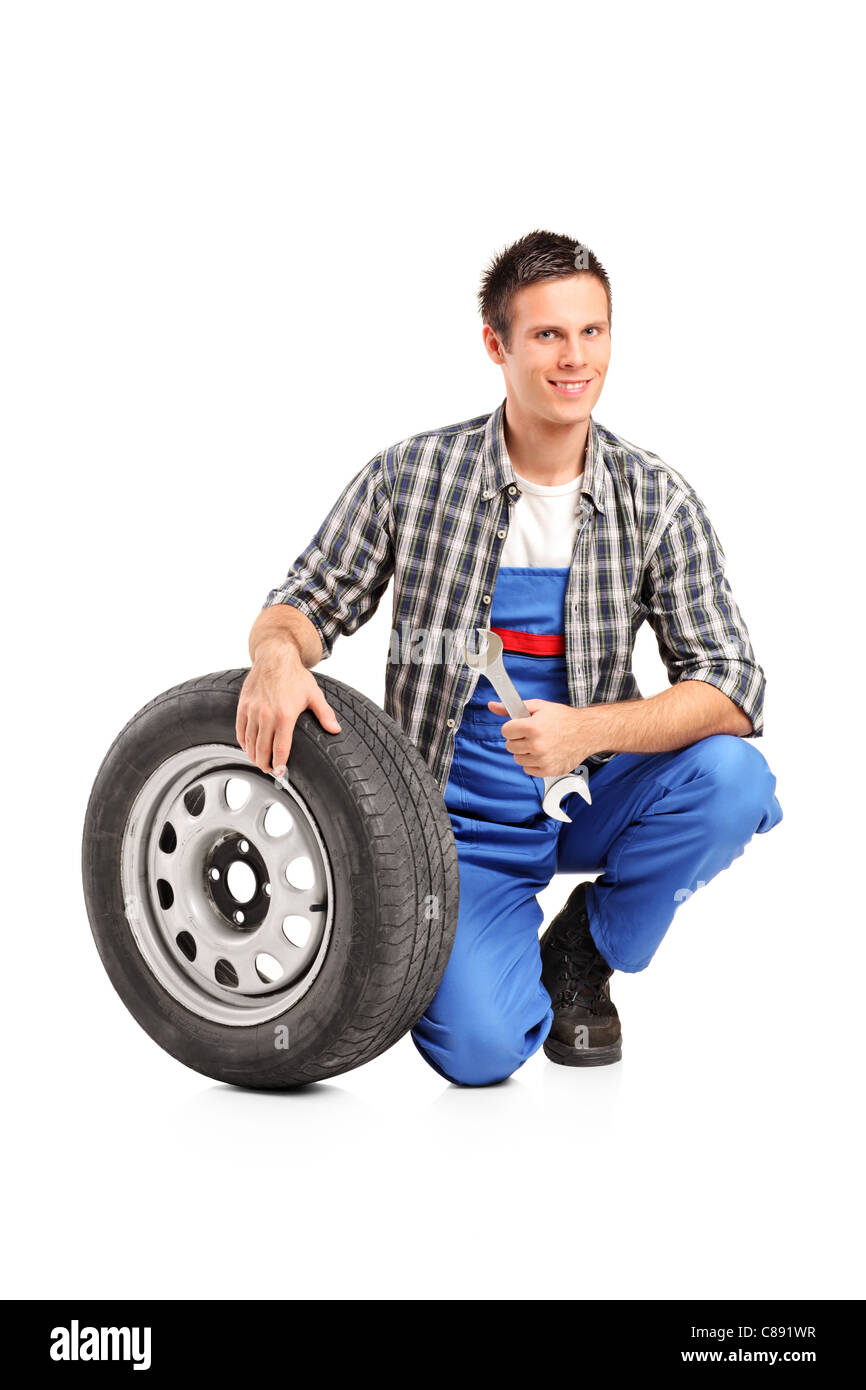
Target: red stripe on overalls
{"x":531,"y":643}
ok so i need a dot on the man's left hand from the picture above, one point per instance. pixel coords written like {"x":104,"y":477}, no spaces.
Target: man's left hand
{"x":553,"y":740}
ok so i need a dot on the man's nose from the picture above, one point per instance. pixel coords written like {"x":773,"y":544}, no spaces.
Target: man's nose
{"x":572,"y":352}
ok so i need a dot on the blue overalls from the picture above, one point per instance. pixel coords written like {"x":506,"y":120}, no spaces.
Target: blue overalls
{"x":661,"y":825}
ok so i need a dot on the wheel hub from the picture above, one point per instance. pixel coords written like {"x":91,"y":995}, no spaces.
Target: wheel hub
{"x":223,"y":877}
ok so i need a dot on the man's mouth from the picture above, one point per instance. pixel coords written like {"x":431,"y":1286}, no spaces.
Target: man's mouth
{"x":570,"y":388}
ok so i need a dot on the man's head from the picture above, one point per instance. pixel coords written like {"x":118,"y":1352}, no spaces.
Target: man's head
{"x":545,"y":303}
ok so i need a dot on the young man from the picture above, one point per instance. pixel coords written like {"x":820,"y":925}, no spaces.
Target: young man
{"x":540,"y":523}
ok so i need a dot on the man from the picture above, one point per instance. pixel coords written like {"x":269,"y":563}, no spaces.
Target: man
{"x":540,"y":523}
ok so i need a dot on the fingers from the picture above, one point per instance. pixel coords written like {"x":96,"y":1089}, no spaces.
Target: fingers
{"x":277,"y":744}
{"x":265,"y":723}
{"x":323,"y":712}
{"x":523,"y":724}
{"x":246,"y":729}
{"x":282,"y":747}
{"x":255,"y":735}
{"x":241,"y":726}
{"x":284,"y":729}
{"x":264,"y":741}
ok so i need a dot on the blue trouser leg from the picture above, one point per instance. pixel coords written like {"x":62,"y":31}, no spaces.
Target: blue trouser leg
{"x":491,"y":1010}
{"x":659,"y":826}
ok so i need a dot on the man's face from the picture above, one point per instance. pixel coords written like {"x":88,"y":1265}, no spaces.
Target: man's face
{"x":560,"y":335}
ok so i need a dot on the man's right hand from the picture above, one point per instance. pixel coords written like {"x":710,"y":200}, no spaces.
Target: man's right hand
{"x":277,"y":689}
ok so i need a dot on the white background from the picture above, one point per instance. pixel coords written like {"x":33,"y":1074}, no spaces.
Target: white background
{"x":242,"y":245}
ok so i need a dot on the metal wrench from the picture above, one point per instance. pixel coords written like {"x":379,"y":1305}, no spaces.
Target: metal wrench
{"x":488,"y":660}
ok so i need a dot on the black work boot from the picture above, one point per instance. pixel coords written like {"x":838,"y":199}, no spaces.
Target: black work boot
{"x":586,"y":1030}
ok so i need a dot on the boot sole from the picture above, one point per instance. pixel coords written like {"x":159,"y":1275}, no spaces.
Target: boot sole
{"x":582,"y":1056}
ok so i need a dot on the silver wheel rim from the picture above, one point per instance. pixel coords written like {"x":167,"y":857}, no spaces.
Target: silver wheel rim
{"x":227,"y":885}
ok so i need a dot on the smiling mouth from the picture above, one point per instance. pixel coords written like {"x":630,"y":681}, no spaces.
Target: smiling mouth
{"x":570,"y":388}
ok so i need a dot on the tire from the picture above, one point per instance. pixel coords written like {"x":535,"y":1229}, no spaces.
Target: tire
{"x":371,"y":823}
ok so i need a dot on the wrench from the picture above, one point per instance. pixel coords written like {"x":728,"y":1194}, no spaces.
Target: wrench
{"x":489,"y":662}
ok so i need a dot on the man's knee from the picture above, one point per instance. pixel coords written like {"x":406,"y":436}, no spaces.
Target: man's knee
{"x":741,"y":783}
{"x":482,"y":1049}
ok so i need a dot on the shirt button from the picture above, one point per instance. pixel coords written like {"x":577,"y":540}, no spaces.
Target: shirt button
{"x":512,"y":489}
{"x":485,"y":598}
{"x":501,"y":534}
{"x":450,"y":723}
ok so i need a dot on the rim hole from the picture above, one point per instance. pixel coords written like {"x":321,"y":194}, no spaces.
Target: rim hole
{"x":214,"y":873}
{"x":239,"y":918}
{"x":186,"y":944}
{"x":268,"y":968}
{"x":297,"y":930}
{"x":165,"y":892}
{"x":277,"y":821}
{"x":300,"y":873}
{"x":194,"y":800}
{"x":225,"y":974}
{"x":168,"y":838}
{"x":237,"y":793}
{"x":241,"y":881}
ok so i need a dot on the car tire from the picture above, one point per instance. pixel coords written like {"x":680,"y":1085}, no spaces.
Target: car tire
{"x":213,"y":973}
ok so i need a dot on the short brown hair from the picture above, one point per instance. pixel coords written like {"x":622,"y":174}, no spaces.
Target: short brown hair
{"x":537,"y":256}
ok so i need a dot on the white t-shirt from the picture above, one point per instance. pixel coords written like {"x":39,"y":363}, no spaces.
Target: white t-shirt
{"x":542,"y":525}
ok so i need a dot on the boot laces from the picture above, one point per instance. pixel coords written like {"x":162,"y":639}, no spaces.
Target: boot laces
{"x":584,"y":973}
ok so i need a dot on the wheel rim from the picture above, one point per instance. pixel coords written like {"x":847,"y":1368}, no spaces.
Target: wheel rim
{"x":227,"y":885}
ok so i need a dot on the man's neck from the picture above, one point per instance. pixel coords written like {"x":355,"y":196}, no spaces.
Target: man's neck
{"x":543,"y":452}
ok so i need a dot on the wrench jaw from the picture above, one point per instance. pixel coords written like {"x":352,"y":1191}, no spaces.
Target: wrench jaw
{"x":581,"y":774}
{"x":479,"y":656}
{"x":551,"y":807}
{"x":560,"y":787}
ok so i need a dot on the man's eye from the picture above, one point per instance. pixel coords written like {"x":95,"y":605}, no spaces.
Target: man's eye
{"x":591,"y":329}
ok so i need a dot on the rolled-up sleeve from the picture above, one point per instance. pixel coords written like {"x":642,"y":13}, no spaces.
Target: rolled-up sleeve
{"x":339,"y":578}
{"x":690,"y":607}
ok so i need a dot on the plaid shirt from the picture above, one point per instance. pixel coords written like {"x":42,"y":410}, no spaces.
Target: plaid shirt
{"x":433,"y":509}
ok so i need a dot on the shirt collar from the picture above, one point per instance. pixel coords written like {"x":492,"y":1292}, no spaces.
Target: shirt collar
{"x":497,"y":472}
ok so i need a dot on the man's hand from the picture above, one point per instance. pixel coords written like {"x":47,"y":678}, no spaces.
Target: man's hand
{"x":277,"y":689}
{"x":552,"y":741}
